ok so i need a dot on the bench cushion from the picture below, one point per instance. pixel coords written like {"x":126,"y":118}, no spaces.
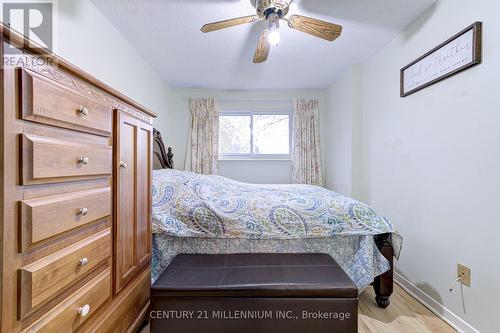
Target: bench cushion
{"x":255,"y":275}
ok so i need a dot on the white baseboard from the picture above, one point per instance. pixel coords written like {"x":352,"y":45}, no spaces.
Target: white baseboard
{"x":438,"y":309}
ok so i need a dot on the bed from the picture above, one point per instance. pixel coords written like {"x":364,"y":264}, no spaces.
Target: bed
{"x":203,"y":214}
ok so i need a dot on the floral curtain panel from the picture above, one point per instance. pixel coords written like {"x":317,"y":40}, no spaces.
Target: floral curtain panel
{"x":204,"y":136}
{"x":306,"y":152}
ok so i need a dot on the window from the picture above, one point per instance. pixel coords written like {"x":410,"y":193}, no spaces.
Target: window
{"x":254,"y":135}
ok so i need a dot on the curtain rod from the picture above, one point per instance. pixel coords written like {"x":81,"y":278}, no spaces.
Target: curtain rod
{"x":250,"y":100}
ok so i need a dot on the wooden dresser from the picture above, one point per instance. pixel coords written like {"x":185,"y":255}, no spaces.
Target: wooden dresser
{"x":75,"y":200}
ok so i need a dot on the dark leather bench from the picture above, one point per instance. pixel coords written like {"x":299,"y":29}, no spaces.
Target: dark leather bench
{"x":254,"y":293}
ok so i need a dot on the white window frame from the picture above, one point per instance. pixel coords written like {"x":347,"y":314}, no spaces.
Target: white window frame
{"x":252,"y":156}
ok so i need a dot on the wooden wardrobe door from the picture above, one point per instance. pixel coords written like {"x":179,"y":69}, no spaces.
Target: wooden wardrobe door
{"x":133,"y":162}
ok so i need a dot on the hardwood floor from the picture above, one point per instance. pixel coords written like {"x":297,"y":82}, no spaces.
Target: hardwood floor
{"x":404,"y":315}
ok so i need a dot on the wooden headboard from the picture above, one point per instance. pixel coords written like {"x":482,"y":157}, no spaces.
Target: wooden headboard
{"x":162,"y":159}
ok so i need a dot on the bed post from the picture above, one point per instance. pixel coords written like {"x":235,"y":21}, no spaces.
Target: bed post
{"x":383,"y":284}
{"x":170,"y":158}
{"x":163,"y":158}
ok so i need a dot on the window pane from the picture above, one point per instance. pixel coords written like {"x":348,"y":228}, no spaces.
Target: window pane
{"x":271,"y":134}
{"x":234,"y":135}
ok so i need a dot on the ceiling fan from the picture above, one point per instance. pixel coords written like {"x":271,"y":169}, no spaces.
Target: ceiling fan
{"x":273,"y":11}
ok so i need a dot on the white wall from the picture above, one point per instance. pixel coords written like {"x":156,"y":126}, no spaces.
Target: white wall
{"x":88,"y":40}
{"x":343,"y":154}
{"x":431,"y":161}
{"x":175,"y":132}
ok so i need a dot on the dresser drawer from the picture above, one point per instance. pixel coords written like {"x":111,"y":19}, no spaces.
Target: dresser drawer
{"x":74,"y":310}
{"x":47,"y":277}
{"x":46,"y":217}
{"x":48,"y":102}
{"x":47,"y":159}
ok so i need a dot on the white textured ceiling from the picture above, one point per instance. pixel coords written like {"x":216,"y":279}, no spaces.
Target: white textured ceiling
{"x":167,"y":33}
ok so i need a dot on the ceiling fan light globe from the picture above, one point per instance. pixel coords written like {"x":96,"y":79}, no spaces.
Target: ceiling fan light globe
{"x":274,"y":38}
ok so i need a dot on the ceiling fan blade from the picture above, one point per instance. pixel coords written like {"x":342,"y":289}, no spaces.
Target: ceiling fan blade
{"x":229,"y":23}
{"x":262,"y":48}
{"x":317,"y":28}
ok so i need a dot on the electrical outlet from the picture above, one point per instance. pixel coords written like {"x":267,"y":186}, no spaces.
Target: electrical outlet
{"x":464,"y":272}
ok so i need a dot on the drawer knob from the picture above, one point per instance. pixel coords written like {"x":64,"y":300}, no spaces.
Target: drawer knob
{"x":84,"y":160}
{"x":83,"y":261}
{"x":83,"y":211}
{"x":123,"y":165}
{"x":83,"y":110}
{"x":84,"y":310}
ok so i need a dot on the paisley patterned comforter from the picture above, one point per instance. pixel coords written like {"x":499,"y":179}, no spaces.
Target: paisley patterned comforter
{"x":187,"y":204}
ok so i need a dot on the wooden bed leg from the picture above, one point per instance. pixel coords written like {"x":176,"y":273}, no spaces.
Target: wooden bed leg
{"x":383,"y":284}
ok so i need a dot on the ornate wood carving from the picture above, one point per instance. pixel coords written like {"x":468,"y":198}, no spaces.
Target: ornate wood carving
{"x":163,"y":159}
{"x":88,"y":90}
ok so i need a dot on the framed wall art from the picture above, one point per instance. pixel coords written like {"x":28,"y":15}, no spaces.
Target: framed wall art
{"x":458,"y":53}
